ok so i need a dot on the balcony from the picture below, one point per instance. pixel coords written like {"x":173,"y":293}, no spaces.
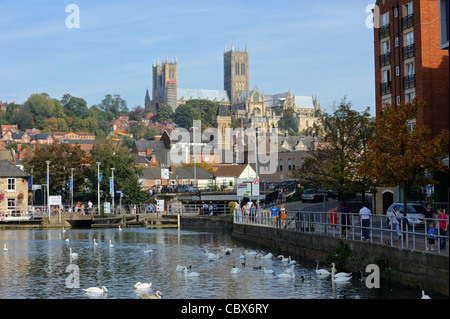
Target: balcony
{"x":385,"y":88}
{"x":408,"y":51}
{"x":385,"y":59}
{"x":409,"y":81}
{"x":407,"y":21}
{"x":384,"y":31}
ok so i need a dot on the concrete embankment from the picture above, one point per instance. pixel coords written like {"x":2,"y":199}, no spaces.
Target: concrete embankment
{"x":413,"y":269}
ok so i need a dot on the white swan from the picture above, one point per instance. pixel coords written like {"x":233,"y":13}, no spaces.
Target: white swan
{"x":211,"y":256}
{"x":340,"y":274}
{"x":283,"y":259}
{"x":268,"y":271}
{"x":96,"y":290}
{"x":289,"y":270}
{"x":181,"y":268}
{"x":338,"y":279}
{"x":120,"y":228}
{"x":424,"y":296}
{"x":321,"y":272}
{"x":110,"y":244}
{"x":147,"y":251}
{"x":95,"y":243}
{"x":190,"y":274}
{"x":72,"y":255}
{"x":250,"y":253}
{"x":286,"y":275}
{"x":235,"y":270}
{"x":157,"y":295}
{"x":67,"y":240}
{"x":63,"y":230}
{"x":291,"y":261}
{"x":268,"y":256}
{"x":142,"y":286}
{"x":5,"y":248}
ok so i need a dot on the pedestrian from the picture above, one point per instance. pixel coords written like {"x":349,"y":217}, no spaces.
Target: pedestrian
{"x":253,"y":212}
{"x":428,"y":215}
{"x":273,"y":213}
{"x":282,"y":215}
{"x":442,"y":226}
{"x":90,"y":207}
{"x":237,"y":208}
{"x":432,"y":231}
{"x":393,"y":220}
{"x":364,"y":220}
{"x":345,"y":220}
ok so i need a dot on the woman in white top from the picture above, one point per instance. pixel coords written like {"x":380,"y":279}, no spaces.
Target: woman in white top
{"x":393,"y":219}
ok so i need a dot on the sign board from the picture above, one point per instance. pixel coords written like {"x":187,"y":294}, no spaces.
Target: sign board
{"x":244,"y":188}
{"x":164,"y":173}
{"x":54,"y":200}
{"x":247,"y":188}
{"x":160,"y":205}
{"x":106,"y":208}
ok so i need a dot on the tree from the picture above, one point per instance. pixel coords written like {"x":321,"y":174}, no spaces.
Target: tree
{"x":287,"y":123}
{"x":76,"y":106}
{"x":401,"y":155}
{"x":126,"y":174}
{"x":335,"y":163}
{"x":113,"y":104}
{"x":41,"y":106}
{"x":183,"y":116}
{"x":164,"y":113}
{"x":62,"y":158}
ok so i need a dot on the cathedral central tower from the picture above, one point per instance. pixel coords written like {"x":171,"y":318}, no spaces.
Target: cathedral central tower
{"x":235,"y":78}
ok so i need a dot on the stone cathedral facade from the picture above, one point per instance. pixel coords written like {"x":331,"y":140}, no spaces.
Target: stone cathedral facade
{"x":253,"y":107}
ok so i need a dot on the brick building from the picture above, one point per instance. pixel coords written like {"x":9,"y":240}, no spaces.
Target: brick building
{"x":409,"y":61}
{"x":412,"y":60}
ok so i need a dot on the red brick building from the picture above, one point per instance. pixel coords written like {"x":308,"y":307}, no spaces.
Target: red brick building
{"x":409,"y":61}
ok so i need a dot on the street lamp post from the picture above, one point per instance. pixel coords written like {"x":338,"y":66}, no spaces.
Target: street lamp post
{"x":112,"y":188}
{"x":98,"y":186}
{"x":71,"y":190}
{"x":48,"y":190}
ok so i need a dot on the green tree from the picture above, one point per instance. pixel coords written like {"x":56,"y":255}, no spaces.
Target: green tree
{"x":76,"y":107}
{"x":288,"y":123}
{"x":401,"y":153}
{"x":41,"y":106}
{"x":183,"y":116}
{"x":164,"y":113}
{"x":62,"y":158}
{"x":335,"y":163}
{"x":126,"y":174}
{"x":113,"y":105}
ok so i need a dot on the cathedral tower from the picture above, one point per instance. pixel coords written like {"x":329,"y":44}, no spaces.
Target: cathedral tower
{"x":235,"y":75}
{"x":165,"y":83}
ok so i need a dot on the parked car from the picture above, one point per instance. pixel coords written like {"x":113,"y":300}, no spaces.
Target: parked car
{"x":313,"y":195}
{"x":414,"y":213}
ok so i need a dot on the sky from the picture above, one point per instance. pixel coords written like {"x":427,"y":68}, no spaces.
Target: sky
{"x":321,"y":48}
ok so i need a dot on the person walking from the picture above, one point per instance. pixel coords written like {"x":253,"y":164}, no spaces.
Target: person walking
{"x":364,"y":220}
{"x":282,"y":215}
{"x":393,"y":218}
{"x":274,"y":213}
{"x":432,"y":231}
{"x":442,"y":226}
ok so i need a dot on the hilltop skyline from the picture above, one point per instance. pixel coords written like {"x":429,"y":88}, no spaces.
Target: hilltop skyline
{"x":322,"y":49}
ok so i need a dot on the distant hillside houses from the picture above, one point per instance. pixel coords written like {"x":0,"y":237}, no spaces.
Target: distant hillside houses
{"x":32,"y":137}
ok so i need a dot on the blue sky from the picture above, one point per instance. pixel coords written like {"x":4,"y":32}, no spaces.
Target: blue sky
{"x":318,"y":48}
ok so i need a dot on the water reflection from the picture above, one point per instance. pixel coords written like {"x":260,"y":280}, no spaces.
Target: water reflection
{"x":38,"y":265}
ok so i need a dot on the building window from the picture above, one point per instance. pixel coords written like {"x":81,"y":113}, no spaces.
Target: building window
{"x":444,"y":23}
{"x":293,"y":163}
{"x":11,"y":184}
{"x":408,"y":17}
{"x":385,"y":56}
{"x":281,"y":165}
{"x":397,"y":71}
{"x":396,"y":42}
{"x":11,"y":204}
{"x":398,"y":100}
{"x":289,"y":164}
{"x":243,"y":68}
{"x":384,"y":29}
{"x":409,"y":79}
{"x":409,"y":97}
{"x":385,"y":87}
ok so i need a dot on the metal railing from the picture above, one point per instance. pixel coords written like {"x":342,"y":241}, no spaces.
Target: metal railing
{"x":412,"y":233}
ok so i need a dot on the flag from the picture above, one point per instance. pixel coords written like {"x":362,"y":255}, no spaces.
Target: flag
{"x":100,"y":177}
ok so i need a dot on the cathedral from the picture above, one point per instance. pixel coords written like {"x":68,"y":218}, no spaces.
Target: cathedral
{"x":253,"y":107}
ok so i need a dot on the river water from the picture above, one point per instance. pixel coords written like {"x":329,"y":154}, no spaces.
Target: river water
{"x":37,"y":265}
